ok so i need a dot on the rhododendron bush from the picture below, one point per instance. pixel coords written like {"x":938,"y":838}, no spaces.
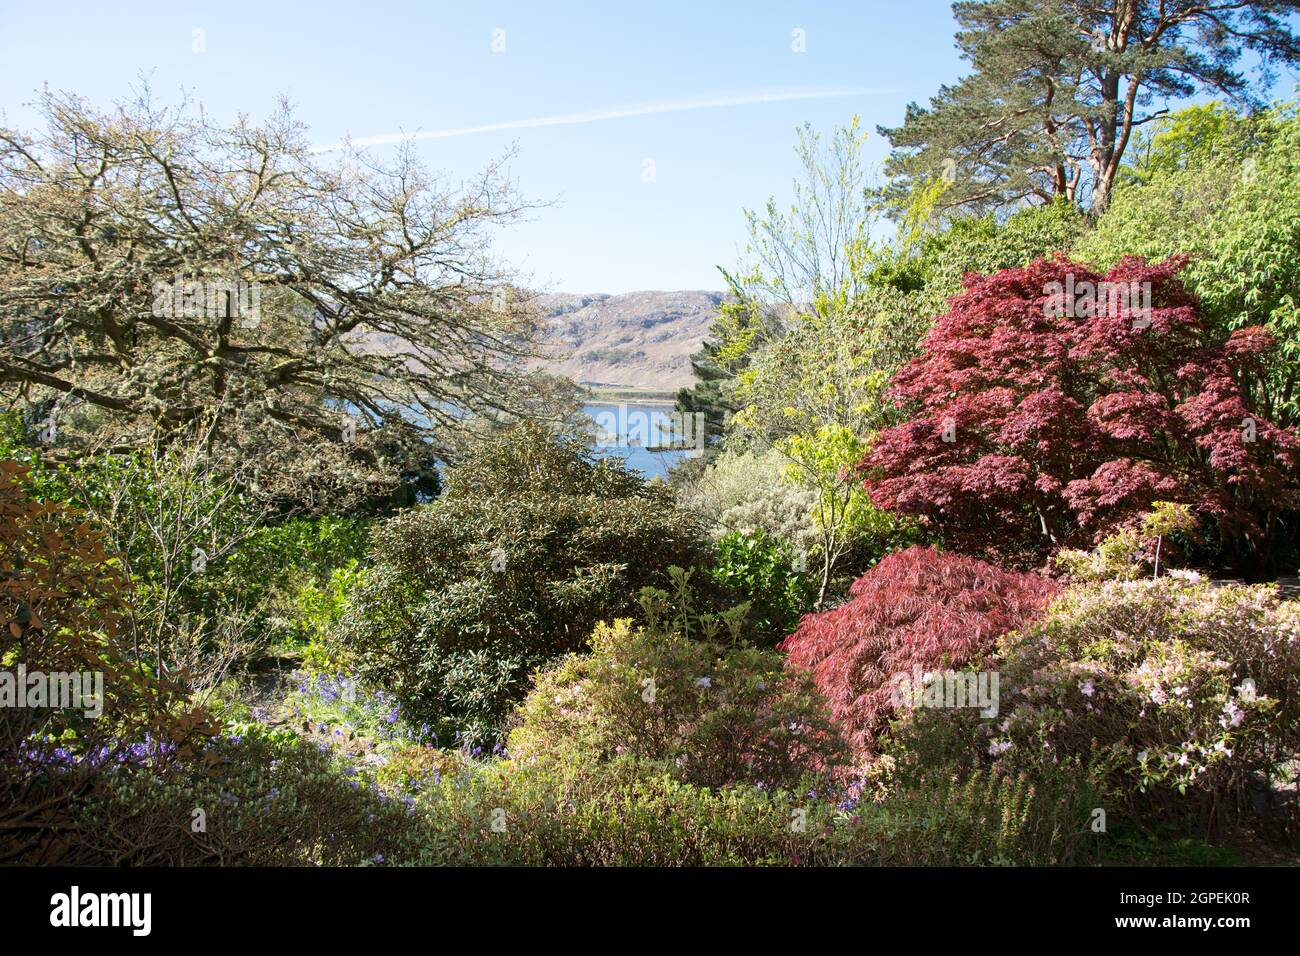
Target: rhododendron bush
{"x":1188,"y":694}
{"x":712,"y":714}
{"x":1052,"y":405}
{"x":917,"y":609}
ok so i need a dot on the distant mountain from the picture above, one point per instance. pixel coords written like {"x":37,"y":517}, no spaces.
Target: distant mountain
{"x":642,"y":339}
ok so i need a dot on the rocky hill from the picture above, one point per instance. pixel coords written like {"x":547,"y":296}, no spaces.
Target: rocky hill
{"x":641,"y":339}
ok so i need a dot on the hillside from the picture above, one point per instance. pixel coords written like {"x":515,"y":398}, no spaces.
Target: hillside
{"x":642,"y":339}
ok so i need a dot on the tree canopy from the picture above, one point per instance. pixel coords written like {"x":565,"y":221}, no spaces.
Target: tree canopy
{"x":1037,"y":419}
{"x":158,"y":270}
{"x":1058,"y":89}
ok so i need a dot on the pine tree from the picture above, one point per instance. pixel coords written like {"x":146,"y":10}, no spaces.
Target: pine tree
{"x":1059,"y":88}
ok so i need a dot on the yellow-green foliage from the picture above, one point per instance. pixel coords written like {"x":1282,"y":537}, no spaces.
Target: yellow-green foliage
{"x":712,"y":714}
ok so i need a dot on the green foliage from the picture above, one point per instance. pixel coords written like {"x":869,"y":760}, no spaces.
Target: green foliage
{"x":1222,"y":189}
{"x":311,"y":548}
{"x":527,"y":461}
{"x":1193,"y":137}
{"x":1057,"y":90}
{"x":284,"y":802}
{"x":616,"y":814}
{"x":1180,"y":698}
{"x":711,"y":711}
{"x":762,"y":570}
{"x":748,"y":491}
{"x":65,"y":610}
{"x":846,"y":521}
{"x":1118,"y":557}
{"x":800,"y":339}
{"x":213,"y":575}
{"x":1122,"y":555}
{"x":266,"y":800}
{"x":317,"y":612}
{"x":533,"y":544}
{"x":985,"y":245}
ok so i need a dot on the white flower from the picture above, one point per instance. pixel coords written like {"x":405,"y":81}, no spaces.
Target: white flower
{"x":1232,"y":714}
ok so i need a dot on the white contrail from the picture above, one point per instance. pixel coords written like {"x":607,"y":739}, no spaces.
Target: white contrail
{"x":616,"y":112}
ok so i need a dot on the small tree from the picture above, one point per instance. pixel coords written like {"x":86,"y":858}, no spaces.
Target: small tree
{"x":1051,"y":405}
{"x":917,"y":611}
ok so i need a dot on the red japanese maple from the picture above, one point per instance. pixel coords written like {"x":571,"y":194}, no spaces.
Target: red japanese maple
{"x":1051,"y":405}
{"x":916,"y":611}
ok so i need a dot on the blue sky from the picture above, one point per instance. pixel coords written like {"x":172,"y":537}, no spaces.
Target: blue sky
{"x":372,"y":68}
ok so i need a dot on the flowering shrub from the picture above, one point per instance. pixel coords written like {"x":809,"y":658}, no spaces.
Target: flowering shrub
{"x":267,"y":800}
{"x":326,"y":703}
{"x":747,"y":492}
{"x":64,"y":609}
{"x":1037,"y":422}
{"x":714,"y":713}
{"x":414,"y":767}
{"x":916,"y":609}
{"x":1188,"y":693}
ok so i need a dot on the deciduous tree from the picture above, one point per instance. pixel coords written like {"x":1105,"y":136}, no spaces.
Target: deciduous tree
{"x":1038,"y":419}
{"x":156,"y":268}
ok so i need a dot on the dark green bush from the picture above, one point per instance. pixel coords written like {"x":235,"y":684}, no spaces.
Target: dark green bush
{"x":534,"y":543}
{"x":760,"y":569}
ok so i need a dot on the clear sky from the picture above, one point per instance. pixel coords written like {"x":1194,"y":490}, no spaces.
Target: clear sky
{"x":618,"y":74}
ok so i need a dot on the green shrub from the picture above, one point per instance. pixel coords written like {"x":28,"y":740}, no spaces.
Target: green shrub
{"x":1220,"y":188}
{"x":1184,"y":697}
{"x":1122,"y":556}
{"x":214,"y":577}
{"x":64,"y":609}
{"x":533,"y":545}
{"x":617,"y":814}
{"x":709,"y":713}
{"x":266,"y":800}
{"x":746,"y":492}
{"x":761,"y":570}
{"x":312,"y":615}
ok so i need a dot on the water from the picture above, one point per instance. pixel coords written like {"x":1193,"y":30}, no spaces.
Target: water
{"x":632,"y":428}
